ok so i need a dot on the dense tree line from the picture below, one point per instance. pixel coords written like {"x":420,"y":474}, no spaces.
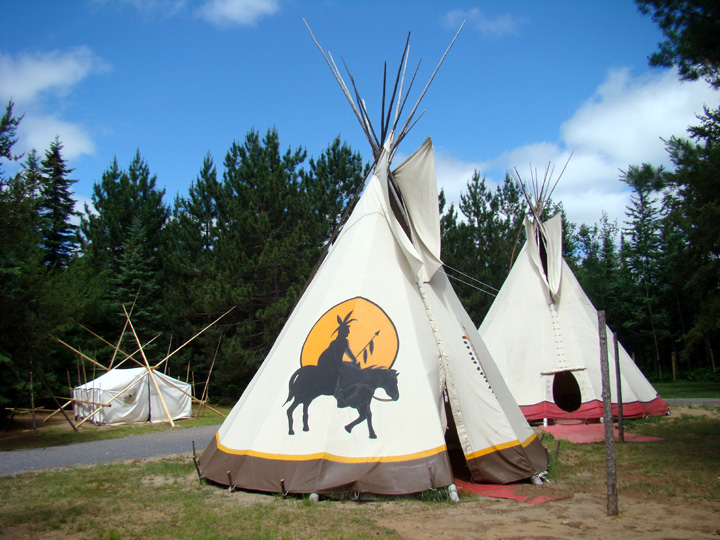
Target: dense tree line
{"x":657,"y":273}
{"x":246,"y":240}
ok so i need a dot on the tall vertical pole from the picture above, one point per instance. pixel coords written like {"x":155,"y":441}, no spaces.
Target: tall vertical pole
{"x":612,"y":496}
{"x":32,"y":397}
{"x":673,"y":358}
{"x":618,"y":383}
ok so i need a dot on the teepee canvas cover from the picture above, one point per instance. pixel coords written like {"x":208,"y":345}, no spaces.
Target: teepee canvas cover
{"x":542,"y":331}
{"x":353,"y":395}
{"x":381,"y":296}
{"x":138,"y":400}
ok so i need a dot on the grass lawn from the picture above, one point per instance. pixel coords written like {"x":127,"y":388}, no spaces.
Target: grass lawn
{"x":687,"y":389}
{"x":668,"y":489}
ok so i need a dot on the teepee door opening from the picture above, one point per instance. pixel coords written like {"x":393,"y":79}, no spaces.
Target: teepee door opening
{"x":455,"y":452}
{"x":566,"y":391}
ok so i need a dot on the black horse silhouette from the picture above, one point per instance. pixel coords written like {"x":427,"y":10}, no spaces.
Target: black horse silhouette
{"x":354,"y":387}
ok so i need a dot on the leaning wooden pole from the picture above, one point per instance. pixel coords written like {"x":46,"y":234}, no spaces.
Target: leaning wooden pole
{"x":204,"y":395}
{"x":82,"y":355}
{"x":122,"y":334}
{"x":612,"y":495}
{"x":618,"y":389}
{"x":192,"y":338}
{"x":60,"y":408}
{"x":150,"y":369}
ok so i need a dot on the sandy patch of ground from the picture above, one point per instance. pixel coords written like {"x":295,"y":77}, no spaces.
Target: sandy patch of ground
{"x":582,"y":515}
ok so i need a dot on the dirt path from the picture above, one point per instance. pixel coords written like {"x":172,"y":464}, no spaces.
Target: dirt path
{"x":581,"y":515}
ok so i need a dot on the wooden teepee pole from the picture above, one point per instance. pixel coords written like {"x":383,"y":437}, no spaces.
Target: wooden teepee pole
{"x":122,"y":334}
{"x":82,"y":355}
{"x":116,"y":348}
{"x":192,"y":338}
{"x":150,"y":370}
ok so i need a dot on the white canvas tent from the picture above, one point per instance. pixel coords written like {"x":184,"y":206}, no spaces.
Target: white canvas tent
{"x":542,"y":331}
{"x":131,"y":397}
{"x":376,"y":354}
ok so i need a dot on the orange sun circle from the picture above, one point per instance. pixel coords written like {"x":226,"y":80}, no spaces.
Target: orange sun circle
{"x":373,"y":337}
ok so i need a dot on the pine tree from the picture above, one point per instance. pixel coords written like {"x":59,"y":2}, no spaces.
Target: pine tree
{"x":642,"y":255}
{"x":8,"y":135}
{"x":692,"y":29}
{"x":696,"y":213}
{"x":119,"y":200}
{"x":135,"y":282}
{"x":262,"y":252}
{"x":332,"y":181}
{"x":484,"y":242}
{"x":116,"y":200}
{"x":59,"y":234}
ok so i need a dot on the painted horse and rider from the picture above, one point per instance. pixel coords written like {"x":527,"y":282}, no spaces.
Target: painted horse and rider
{"x":350,"y":384}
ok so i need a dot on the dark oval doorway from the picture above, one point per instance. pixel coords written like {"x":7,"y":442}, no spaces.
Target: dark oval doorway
{"x":566,"y":391}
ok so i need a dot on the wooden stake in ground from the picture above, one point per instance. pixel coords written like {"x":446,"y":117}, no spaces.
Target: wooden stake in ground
{"x":618,"y":383}
{"x":612,"y":496}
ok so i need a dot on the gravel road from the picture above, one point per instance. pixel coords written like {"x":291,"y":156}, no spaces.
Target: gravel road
{"x":148,"y":445}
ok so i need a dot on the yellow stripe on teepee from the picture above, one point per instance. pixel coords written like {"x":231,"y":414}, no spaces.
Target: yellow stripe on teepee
{"x":330,"y":457}
{"x":498,"y":447}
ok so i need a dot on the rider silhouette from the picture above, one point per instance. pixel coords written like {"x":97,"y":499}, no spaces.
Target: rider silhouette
{"x":331,"y":359}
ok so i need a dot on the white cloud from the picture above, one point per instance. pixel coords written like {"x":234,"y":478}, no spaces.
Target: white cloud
{"x":31,"y":80}
{"x":149,"y":8}
{"x":240,"y":12}
{"x":627,"y":117}
{"x":37,"y":131}
{"x":30,"y":77}
{"x":620,"y":125}
{"x":453,"y":175}
{"x":504,"y":24}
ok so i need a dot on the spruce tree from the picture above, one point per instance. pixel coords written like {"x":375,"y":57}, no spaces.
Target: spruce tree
{"x":119,"y":200}
{"x":642,"y":255}
{"x":59,"y":234}
{"x":135,"y":284}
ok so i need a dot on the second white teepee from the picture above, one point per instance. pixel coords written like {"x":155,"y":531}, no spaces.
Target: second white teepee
{"x":542,"y":331}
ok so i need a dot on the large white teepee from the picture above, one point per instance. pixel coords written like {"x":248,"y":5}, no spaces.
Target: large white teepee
{"x":542,"y":331}
{"x":354,"y":393}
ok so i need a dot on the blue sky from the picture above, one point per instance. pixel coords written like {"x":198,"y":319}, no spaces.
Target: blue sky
{"x":526,"y":83}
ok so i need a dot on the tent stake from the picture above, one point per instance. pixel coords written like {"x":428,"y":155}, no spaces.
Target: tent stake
{"x":432,"y":477}
{"x":232,"y":487}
